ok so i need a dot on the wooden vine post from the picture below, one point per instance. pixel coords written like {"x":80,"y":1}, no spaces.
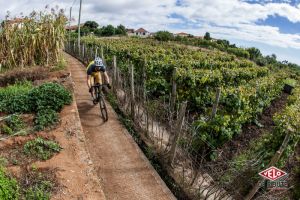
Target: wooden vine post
{"x":132,"y":89}
{"x":74,"y":48}
{"x":173,"y":94}
{"x":273,"y":161}
{"x":114,"y":83}
{"x":96,"y":53}
{"x":176,"y":133}
{"x":102,"y":55}
{"x":144,"y":82}
{"x":83,"y":53}
{"x":215,"y":106}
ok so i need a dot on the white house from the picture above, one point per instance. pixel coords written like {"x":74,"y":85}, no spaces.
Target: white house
{"x":16,"y":22}
{"x":142,"y":33}
{"x":182,"y":34}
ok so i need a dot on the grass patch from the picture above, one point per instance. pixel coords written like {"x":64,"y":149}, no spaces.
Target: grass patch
{"x":41,"y":149}
{"x":62,"y":63}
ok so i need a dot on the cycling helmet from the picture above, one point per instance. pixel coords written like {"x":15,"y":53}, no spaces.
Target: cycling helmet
{"x":98,"y":62}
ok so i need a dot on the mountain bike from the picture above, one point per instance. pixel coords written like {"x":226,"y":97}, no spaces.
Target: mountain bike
{"x":98,"y":97}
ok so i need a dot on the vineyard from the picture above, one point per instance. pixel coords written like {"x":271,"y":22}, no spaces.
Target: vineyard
{"x":224,"y":95}
{"x":208,"y":118}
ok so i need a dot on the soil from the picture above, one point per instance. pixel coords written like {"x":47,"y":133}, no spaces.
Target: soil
{"x":124,"y":171}
{"x":71,"y":170}
{"x":12,"y":149}
{"x":31,"y":178}
{"x":251,"y":131}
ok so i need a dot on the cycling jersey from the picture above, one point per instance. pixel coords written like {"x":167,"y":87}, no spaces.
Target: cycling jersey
{"x":91,"y":68}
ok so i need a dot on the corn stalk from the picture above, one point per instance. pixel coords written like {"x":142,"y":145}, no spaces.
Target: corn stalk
{"x":37,"y":40}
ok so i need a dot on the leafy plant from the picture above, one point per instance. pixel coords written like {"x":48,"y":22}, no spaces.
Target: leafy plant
{"x":42,"y":149}
{"x":9,"y":189}
{"x":6,"y":130}
{"x":45,"y":118}
{"x":291,"y":82}
{"x":49,"y":96}
{"x":3,"y":161}
{"x":14,"y":98}
{"x":40,"y":191}
{"x":15,"y":123}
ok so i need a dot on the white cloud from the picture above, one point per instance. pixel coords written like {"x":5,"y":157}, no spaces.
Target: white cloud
{"x":223,"y":18}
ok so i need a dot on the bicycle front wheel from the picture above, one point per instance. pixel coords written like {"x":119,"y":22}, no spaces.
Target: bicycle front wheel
{"x":103,"y":109}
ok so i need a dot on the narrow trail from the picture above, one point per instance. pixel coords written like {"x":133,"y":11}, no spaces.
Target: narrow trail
{"x":123,"y":170}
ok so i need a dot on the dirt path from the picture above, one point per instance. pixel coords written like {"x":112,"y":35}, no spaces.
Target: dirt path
{"x":124,"y":171}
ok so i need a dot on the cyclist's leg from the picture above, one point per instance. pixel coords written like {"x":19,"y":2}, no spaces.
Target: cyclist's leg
{"x":105,"y":90}
{"x":94,"y":94}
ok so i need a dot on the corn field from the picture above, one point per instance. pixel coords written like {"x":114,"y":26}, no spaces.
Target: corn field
{"x":37,"y":40}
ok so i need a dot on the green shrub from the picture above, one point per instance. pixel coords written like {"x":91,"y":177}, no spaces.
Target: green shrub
{"x":164,"y":36}
{"x":3,"y":161}
{"x":14,"y":98}
{"x":15,"y":123}
{"x":45,"y":118}
{"x":9,"y":189}
{"x":296,"y":189}
{"x":39,"y":192}
{"x":49,"y":96}
{"x":291,"y":82}
{"x":42,"y":149}
{"x":6,"y":130}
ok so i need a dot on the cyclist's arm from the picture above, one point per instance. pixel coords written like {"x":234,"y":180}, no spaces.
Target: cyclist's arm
{"x":89,"y":74}
{"x":88,"y":81}
{"x":106,"y":77}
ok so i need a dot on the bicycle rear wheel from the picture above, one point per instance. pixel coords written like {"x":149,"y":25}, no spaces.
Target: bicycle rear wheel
{"x":103,"y":108}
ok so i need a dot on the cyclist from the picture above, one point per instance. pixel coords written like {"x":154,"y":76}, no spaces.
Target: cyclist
{"x":94,"y":76}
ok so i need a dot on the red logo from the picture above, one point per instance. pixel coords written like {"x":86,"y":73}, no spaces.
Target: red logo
{"x":272,"y":173}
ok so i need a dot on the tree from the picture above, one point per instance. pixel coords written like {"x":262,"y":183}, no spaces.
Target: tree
{"x":164,"y":36}
{"x":92,"y":25}
{"x":98,"y":32}
{"x":225,"y":43}
{"x":108,"y":30}
{"x":84,"y":31}
{"x":207,"y":36}
{"x":121,"y":30}
{"x":271,"y":59}
{"x":254,"y":53}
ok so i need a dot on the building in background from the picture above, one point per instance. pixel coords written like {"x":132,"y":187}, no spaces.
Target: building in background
{"x":16,"y":22}
{"x":182,"y":34}
{"x":73,"y":28}
{"x":130,"y":32}
{"x":141,"y":32}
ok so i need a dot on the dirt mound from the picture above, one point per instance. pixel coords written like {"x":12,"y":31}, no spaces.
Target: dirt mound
{"x":30,"y":74}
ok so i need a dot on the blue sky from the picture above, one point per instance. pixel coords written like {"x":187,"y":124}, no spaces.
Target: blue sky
{"x":271,"y":25}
